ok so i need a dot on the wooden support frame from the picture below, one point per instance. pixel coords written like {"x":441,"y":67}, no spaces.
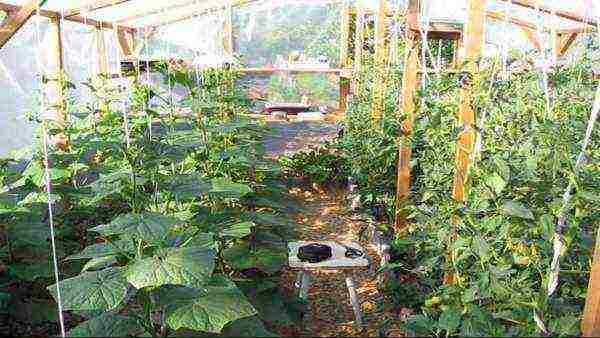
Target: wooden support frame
{"x":473,"y":39}
{"x":16,"y":19}
{"x":202,"y":11}
{"x":12,"y":9}
{"x":409,"y":88}
{"x":125,"y":42}
{"x":563,"y":14}
{"x":590,"y":323}
{"x":228,"y":31}
{"x":379,"y":86}
{"x":359,"y":42}
{"x":564,"y":42}
{"x":344,"y":55}
{"x":101,"y":50}
{"x":99,"y":4}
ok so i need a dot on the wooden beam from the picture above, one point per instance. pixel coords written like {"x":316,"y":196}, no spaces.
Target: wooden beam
{"x":77,"y":18}
{"x":156,"y":11}
{"x":548,"y":10}
{"x":344,"y":54}
{"x":379,"y":86}
{"x":359,"y":42}
{"x":473,"y":40}
{"x":590,"y":323}
{"x":17,"y":19}
{"x":563,"y":42}
{"x":124,"y":43}
{"x":94,"y":6}
{"x":502,"y":17}
{"x":228,"y":31}
{"x":202,"y":11}
{"x":580,"y":30}
{"x":409,"y":88}
{"x":532,"y":37}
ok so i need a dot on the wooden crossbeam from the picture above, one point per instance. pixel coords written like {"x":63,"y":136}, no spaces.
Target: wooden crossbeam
{"x":503,"y":17}
{"x":94,"y":6}
{"x":77,"y":18}
{"x":16,"y":20}
{"x":156,"y":11}
{"x":202,"y":11}
{"x":548,"y":10}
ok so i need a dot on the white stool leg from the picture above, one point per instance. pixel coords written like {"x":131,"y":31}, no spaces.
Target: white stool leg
{"x":304,"y":284}
{"x":354,"y":300}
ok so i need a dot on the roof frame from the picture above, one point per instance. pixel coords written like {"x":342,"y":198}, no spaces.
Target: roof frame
{"x":76,"y":18}
{"x":548,"y":10}
{"x":96,"y":5}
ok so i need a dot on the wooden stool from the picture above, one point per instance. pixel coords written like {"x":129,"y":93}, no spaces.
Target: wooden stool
{"x":338,"y":261}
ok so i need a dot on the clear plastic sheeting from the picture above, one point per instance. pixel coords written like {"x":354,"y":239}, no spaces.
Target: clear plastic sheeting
{"x":269,"y":33}
{"x":20,"y":83}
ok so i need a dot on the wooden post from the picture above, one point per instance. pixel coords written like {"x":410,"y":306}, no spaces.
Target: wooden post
{"x":379,"y":86}
{"x":409,"y":88}
{"x":101,"y":50}
{"x":344,"y":58}
{"x":590,"y":324}
{"x":56,"y":109}
{"x":354,"y":300}
{"x":359,"y":41}
{"x":473,"y":39}
{"x":228,"y":31}
{"x":124,"y":43}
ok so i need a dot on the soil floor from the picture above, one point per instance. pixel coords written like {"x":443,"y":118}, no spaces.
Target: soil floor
{"x":326,"y":216}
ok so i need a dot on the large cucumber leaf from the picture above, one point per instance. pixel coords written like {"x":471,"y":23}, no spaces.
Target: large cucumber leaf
{"x":98,"y":290}
{"x":219,"y":304}
{"x":106,"y":325}
{"x":147,"y":226}
{"x":516,"y":209}
{"x":247,"y":327}
{"x":189,"y":266}
{"x":264,"y":257}
{"x":104,"y":249}
{"x":225,"y":188}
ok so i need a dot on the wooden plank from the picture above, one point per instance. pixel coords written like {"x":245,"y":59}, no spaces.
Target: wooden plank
{"x":94,"y":6}
{"x":344,"y":54}
{"x":473,"y":40}
{"x":77,"y":18}
{"x":379,"y":86}
{"x":359,"y":42}
{"x":228,"y":31}
{"x":409,"y":88}
{"x":590,"y":323}
{"x":502,"y":17}
{"x":124,"y":43}
{"x":145,"y":13}
{"x":101,"y":50}
{"x":195,"y":13}
{"x":549,"y":10}
{"x":532,"y":37}
{"x":17,"y":19}
{"x":563,"y":42}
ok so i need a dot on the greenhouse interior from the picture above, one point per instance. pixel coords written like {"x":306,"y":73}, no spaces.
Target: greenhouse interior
{"x":299,"y":168}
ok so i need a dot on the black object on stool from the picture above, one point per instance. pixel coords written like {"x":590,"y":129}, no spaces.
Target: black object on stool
{"x":314,"y":253}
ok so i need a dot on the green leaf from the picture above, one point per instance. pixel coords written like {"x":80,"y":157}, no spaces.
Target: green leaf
{"x":268,"y":259}
{"x":516,"y":209}
{"x":239,"y":230}
{"x":450,"y":320}
{"x":37,"y":174}
{"x":247,"y":327}
{"x":98,"y":290}
{"x":189,"y":266}
{"x":225,"y":188}
{"x":185,"y":187}
{"x":38,"y":197}
{"x":29,"y":233}
{"x":99,"y":263}
{"x":106,"y":325}
{"x":104,"y":249}
{"x":147,"y":226}
{"x":496,"y":183}
{"x":220,"y":304}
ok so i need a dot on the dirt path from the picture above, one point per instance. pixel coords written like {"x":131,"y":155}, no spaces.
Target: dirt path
{"x":326,"y":217}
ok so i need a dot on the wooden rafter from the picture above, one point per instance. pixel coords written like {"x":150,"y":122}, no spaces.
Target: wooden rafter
{"x":502,"y":17}
{"x":548,"y":10}
{"x":156,"y":11}
{"x":94,"y":6}
{"x":201,"y":11}
{"x":16,"y":20}
{"x":56,"y":15}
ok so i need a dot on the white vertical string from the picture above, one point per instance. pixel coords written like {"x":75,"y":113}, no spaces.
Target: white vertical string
{"x":48,"y":183}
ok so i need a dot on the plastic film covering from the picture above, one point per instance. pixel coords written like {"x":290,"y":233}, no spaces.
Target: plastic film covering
{"x":20,"y":61}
